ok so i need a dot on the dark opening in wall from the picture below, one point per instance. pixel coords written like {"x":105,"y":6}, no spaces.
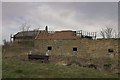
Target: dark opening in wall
{"x":49,"y":48}
{"x":74,"y":48}
{"x":110,"y":50}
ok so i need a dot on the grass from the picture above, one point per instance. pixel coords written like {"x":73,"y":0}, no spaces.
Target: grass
{"x":0,"y":61}
{"x":15,"y":68}
{"x":15,"y":65}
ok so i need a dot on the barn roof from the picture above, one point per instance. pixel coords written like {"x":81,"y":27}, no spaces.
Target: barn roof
{"x":27,"y":33}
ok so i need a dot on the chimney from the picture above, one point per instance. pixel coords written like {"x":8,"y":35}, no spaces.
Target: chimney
{"x":46,"y":28}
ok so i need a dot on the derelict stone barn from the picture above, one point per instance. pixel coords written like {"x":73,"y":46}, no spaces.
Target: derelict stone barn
{"x":24,"y":38}
{"x":65,"y":42}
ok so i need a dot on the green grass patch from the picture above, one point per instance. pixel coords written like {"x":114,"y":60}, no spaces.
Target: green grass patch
{"x":16,"y":65}
{"x":15,"y":68}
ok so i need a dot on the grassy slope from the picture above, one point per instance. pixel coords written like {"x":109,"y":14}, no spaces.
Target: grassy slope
{"x":15,"y":68}
{"x":0,"y":61}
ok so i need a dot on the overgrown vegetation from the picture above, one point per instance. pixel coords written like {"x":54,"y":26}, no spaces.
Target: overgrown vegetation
{"x":14,"y":68}
{"x":16,"y":65}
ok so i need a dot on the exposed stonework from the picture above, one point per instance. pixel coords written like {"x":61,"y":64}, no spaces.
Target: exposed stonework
{"x":57,"y":35}
{"x":85,"y":47}
{"x":63,"y":42}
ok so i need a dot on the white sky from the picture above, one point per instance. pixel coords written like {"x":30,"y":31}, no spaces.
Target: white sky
{"x":59,"y":0}
{"x":88,"y":16}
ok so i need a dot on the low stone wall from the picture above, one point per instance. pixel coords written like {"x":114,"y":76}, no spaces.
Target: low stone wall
{"x":85,"y":47}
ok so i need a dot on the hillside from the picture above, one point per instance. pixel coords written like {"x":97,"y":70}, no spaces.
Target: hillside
{"x":16,"y":65}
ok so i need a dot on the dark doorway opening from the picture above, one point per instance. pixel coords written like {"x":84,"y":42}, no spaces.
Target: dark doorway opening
{"x":75,"y":49}
{"x":110,"y":50}
{"x":49,"y":48}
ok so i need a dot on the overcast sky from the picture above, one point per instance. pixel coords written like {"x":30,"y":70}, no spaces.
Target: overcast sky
{"x":87,"y":16}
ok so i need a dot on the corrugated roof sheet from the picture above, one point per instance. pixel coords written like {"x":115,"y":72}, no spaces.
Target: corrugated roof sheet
{"x":26,"y":33}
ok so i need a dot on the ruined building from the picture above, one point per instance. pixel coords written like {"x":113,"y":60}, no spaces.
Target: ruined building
{"x":67,"y":42}
{"x":53,"y":35}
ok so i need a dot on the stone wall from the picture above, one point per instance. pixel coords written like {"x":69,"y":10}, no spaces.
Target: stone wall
{"x":85,"y":47}
{"x":57,"y":35}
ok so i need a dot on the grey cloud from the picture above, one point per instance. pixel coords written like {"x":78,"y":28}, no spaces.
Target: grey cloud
{"x":59,"y":15}
{"x":61,"y":0}
{"x":0,"y":23}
